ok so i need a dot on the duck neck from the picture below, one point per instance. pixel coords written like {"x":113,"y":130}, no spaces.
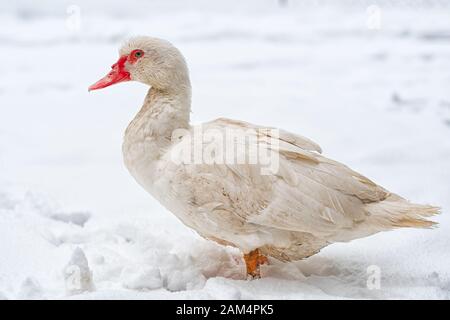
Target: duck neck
{"x":165,"y":111}
{"x":150,"y":132}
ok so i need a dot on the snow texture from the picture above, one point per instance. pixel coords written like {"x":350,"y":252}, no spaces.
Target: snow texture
{"x":370,"y":84}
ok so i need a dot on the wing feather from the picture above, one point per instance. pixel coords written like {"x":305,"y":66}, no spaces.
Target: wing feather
{"x":309,"y":193}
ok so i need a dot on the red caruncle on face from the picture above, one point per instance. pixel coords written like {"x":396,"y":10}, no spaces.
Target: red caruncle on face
{"x":118,"y":71}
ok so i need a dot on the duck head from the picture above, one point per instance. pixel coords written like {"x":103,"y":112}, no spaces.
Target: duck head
{"x":152,"y":61}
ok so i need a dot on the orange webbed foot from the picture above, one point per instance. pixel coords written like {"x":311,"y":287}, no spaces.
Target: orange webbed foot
{"x":253,"y":260}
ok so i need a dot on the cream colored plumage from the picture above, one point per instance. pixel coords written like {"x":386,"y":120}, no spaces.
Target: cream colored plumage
{"x":310,"y":202}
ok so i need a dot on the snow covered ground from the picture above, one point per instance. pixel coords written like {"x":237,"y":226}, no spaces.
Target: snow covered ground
{"x":374,"y":93}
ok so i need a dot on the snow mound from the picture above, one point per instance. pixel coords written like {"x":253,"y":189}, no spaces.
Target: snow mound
{"x":77,"y":274}
{"x":144,"y":278}
{"x":30,"y":289}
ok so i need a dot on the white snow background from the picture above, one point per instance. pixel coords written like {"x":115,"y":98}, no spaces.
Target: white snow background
{"x":375,"y":94}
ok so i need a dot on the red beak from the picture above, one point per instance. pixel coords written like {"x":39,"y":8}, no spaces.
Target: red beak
{"x":116,"y":75}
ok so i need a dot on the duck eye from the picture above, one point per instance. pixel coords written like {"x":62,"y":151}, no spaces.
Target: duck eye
{"x":138,"y":54}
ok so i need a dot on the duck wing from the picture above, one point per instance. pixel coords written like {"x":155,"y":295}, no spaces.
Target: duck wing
{"x":308,"y":193}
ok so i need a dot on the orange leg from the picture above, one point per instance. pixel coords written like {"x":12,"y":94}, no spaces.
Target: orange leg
{"x":253,"y":260}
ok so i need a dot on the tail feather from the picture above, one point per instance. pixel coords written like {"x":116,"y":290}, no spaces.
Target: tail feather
{"x":396,"y":212}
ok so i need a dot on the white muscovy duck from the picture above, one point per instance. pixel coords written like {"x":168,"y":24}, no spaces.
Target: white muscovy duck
{"x":306,"y":203}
